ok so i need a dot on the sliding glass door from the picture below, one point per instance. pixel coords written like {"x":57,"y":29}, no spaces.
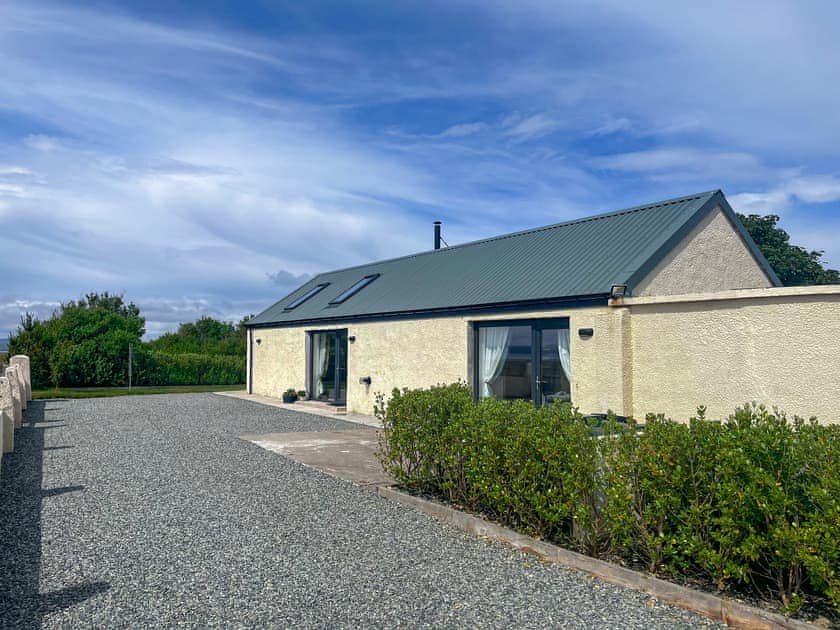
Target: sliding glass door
{"x":527,"y":360}
{"x":328,"y":366}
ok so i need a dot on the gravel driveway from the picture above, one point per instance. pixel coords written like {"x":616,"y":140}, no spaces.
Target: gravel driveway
{"x":149,"y":511}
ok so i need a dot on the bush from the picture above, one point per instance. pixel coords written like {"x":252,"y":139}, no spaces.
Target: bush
{"x":158,"y":368}
{"x":753,"y":500}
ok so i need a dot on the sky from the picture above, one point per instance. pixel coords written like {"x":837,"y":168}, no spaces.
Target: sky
{"x":207,"y":158}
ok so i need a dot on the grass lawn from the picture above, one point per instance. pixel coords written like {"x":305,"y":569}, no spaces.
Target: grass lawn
{"x":106,"y":392}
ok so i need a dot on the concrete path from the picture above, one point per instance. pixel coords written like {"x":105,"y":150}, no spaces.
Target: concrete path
{"x":322,"y":410}
{"x":149,"y":511}
{"x":348,"y":454}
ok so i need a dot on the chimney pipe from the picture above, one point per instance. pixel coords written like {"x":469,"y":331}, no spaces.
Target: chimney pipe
{"x":437,"y":234}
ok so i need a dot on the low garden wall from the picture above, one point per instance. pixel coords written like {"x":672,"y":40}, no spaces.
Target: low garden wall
{"x":15,"y":394}
{"x":773,"y":346}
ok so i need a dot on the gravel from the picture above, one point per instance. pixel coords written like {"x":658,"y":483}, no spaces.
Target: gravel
{"x":149,"y":511}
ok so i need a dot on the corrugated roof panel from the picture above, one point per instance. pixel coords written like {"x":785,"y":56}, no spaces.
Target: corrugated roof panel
{"x":573,"y":259}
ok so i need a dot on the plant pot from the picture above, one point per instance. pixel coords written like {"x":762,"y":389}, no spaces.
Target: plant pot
{"x":289,"y":399}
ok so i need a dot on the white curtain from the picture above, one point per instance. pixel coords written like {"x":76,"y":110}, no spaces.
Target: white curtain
{"x":493,"y":349}
{"x":323,"y":359}
{"x":563,"y":349}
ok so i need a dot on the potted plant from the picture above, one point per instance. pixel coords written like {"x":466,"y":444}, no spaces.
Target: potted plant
{"x":301,"y":394}
{"x":290,"y":395}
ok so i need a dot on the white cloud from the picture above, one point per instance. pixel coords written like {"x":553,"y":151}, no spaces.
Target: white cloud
{"x":41,"y":142}
{"x":612,"y":125}
{"x":14,"y":170}
{"x":684,"y":163}
{"x":814,"y":189}
{"x":530,"y":127}
{"x":463,"y":129}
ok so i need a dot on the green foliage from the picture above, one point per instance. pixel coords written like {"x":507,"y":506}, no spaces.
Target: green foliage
{"x":160,"y":368}
{"x":793,"y":264}
{"x":204,"y":336}
{"x":753,"y":500}
{"x":85,"y":343}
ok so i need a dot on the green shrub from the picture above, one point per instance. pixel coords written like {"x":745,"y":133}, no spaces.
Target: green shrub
{"x":417,"y":428}
{"x":158,"y":368}
{"x":753,"y":500}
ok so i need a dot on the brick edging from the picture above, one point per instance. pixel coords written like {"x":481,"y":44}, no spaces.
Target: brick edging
{"x":730,"y":612}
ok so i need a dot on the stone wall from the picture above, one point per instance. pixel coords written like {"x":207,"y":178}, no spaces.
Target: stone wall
{"x":15,"y":393}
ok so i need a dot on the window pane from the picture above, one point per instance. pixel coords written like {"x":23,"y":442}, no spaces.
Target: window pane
{"x":555,"y":368}
{"x":504,"y":362}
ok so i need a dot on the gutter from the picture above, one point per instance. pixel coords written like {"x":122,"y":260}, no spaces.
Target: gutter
{"x":495,"y":307}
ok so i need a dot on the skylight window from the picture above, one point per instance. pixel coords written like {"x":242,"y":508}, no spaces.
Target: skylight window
{"x":312,"y":292}
{"x":361,"y":284}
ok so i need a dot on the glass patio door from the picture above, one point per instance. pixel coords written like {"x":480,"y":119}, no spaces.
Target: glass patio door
{"x":553,"y":375}
{"x":328,"y":366}
{"x":523,"y":360}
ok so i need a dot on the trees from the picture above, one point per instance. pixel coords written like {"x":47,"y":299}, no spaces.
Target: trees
{"x":793,"y":264}
{"x":204,"y":336}
{"x":84,"y":343}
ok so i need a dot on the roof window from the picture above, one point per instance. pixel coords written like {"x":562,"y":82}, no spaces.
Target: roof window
{"x":361,"y":284}
{"x":312,"y":292}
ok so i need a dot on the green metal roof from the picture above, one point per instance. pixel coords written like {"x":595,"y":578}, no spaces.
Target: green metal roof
{"x":575,"y":260}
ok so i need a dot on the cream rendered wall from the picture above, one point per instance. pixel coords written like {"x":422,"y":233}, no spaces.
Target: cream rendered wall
{"x":424,"y":352}
{"x":778,"y":346}
{"x":711,"y":258}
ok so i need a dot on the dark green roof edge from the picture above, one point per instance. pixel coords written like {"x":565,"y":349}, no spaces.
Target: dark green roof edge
{"x":754,"y":249}
{"x":476,"y":309}
{"x":632,"y":273}
{"x":542,"y":228}
{"x":716,"y":199}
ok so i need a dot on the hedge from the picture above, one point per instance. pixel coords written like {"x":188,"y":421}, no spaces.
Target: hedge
{"x":158,"y":368}
{"x":752,"y":501}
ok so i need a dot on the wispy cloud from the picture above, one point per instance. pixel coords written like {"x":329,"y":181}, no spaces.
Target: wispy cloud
{"x":685,"y":163}
{"x":530,"y":127}
{"x":205,"y":163}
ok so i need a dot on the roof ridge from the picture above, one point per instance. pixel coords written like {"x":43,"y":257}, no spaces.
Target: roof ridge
{"x":594,"y":217}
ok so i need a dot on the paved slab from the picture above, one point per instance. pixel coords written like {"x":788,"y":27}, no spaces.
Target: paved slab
{"x":348,"y":454}
{"x":325,"y":411}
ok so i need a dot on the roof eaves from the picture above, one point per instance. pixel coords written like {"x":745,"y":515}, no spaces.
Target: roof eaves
{"x":311,"y":281}
{"x":522,"y":305}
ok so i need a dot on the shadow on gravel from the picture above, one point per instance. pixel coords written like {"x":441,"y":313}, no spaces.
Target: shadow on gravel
{"x":21,"y":603}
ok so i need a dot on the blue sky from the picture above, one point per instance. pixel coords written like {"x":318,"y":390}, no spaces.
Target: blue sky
{"x":204,"y":158}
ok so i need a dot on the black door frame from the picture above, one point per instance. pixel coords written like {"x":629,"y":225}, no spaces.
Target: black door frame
{"x":537,"y":326}
{"x":340,"y":352}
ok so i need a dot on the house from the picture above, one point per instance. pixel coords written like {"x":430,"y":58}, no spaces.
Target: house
{"x":656,"y":308}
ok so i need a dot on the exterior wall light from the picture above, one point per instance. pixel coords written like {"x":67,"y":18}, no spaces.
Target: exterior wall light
{"x":259,"y":341}
{"x":618,"y":291}
{"x":352,"y":338}
{"x":585,"y":333}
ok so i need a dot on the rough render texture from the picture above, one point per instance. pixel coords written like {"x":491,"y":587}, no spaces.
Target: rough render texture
{"x":7,"y":422}
{"x":777,"y":347}
{"x":8,"y":430}
{"x":22,"y":361}
{"x":8,"y":406}
{"x":423,"y":352}
{"x":16,"y":390}
{"x":668,"y":355}
{"x":713,"y":257}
